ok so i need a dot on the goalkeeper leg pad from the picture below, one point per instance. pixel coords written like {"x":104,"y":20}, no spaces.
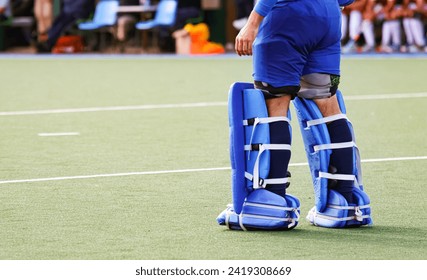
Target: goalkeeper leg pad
{"x":331,"y":208}
{"x":253,"y":206}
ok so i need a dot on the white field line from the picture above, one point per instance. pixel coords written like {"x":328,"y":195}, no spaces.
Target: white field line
{"x":55,"y":134}
{"x":181,"y":171}
{"x":386,"y":96}
{"x":114,"y":108}
{"x":190,"y":105}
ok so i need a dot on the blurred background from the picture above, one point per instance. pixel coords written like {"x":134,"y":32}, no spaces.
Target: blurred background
{"x":188,"y":26}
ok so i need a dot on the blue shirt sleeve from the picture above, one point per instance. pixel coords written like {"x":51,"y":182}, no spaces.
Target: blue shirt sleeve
{"x":263,"y":7}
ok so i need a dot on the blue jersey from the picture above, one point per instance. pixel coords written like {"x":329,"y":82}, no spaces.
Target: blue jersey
{"x":296,"y":37}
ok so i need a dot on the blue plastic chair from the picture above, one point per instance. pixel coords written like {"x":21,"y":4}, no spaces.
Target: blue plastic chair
{"x":105,"y":16}
{"x":165,"y":16}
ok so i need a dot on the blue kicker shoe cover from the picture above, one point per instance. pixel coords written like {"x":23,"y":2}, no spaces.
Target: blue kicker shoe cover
{"x":263,"y":210}
{"x":339,"y":214}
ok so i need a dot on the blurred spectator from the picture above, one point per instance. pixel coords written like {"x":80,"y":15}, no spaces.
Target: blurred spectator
{"x":5,"y":11}
{"x":243,"y":10}
{"x":391,"y":29}
{"x":187,"y":10}
{"x":71,"y":11}
{"x":369,"y":18}
{"x":414,"y":11}
{"x":22,"y":8}
{"x":126,"y":22}
{"x":355,"y":18}
{"x":43,"y":12}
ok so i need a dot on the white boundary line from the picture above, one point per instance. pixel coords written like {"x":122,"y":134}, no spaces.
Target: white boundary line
{"x":55,"y":134}
{"x":180,"y":171}
{"x":113,"y":108}
{"x":386,"y":96}
{"x":190,"y":105}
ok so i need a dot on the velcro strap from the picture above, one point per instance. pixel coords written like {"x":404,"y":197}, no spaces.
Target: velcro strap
{"x":358,"y":214}
{"x":266,"y":218}
{"x":342,"y":177}
{"x":262,"y":183}
{"x":268,"y":206}
{"x":263,"y":147}
{"x":326,"y":119}
{"x":331,"y":146}
{"x":359,"y":218}
{"x":349,"y":207}
{"x":255,"y":121}
{"x":292,"y":221}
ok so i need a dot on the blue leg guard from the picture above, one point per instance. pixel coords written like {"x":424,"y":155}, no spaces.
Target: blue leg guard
{"x":253,"y":206}
{"x":331,"y":208}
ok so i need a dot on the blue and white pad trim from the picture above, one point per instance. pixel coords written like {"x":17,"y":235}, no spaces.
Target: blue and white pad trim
{"x":318,"y":149}
{"x":250,"y":164}
{"x":263,"y":210}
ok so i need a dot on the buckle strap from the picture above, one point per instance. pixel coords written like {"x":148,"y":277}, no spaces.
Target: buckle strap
{"x":332,"y":146}
{"x":255,"y":121}
{"x":326,"y":119}
{"x":268,"y":218}
{"x":262,"y":148}
{"x":342,"y":177}
{"x":349,"y":207}
{"x":262,"y":183}
{"x":359,"y":217}
{"x":269,"y":206}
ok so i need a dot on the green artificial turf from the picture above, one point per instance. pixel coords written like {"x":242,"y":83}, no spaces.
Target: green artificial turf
{"x":171,"y":215}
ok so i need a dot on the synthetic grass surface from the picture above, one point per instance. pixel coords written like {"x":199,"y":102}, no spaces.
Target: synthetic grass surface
{"x":172,"y":215}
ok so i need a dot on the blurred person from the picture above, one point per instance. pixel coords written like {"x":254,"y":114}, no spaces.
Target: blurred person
{"x":345,"y":13}
{"x":71,"y":11}
{"x":391,"y":29}
{"x":370,"y":16}
{"x":414,"y":11}
{"x":43,"y":12}
{"x":126,"y":22}
{"x":22,"y":35}
{"x":355,"y":19}
{"x":22,"y":8}
{"x":296,"y":52}
{"x":5,"y":11}
{"x":186,"y":11}
{"x":243,"y":10}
